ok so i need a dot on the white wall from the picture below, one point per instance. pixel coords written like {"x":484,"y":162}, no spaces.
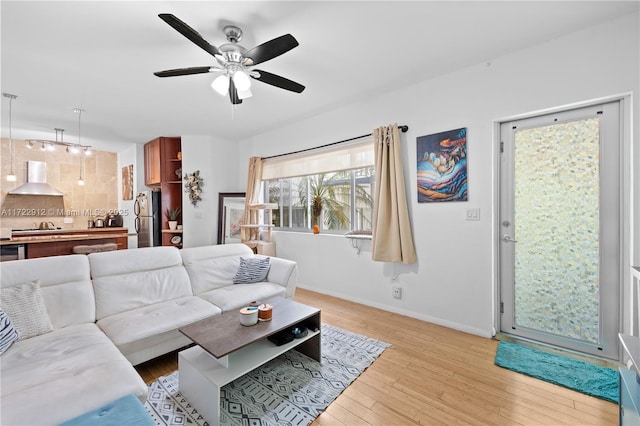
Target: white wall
{"x":454,"y":282}
{"x":216,"y":159}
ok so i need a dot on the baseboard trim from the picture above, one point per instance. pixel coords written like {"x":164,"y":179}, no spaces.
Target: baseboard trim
{"x":406,"y":313}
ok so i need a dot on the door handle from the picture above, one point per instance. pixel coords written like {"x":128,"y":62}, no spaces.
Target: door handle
{"x":508,"y":239}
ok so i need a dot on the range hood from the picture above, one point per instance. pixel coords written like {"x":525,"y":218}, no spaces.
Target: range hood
{"x":36,"y":181}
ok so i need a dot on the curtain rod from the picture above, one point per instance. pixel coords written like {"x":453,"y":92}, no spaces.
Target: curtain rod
{"x":402,"y":128}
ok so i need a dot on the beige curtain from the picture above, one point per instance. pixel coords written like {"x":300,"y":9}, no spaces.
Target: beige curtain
{"x":252,"y":196}
{"x":392,"y":238}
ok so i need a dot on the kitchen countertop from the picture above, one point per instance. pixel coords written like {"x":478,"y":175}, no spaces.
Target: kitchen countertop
{"x":50,"y":235}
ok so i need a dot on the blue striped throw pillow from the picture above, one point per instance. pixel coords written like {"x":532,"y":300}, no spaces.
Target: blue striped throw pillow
{"x":8,"y":334}
{"x":252,"y":270}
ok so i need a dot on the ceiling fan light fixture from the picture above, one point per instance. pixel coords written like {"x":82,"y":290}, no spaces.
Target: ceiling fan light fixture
{"x":221,"y":84}
{"x":241,"y":80}
{"x":244,"y":94}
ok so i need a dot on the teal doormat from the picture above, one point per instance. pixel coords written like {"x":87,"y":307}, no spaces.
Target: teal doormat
{"x":601,"y":382}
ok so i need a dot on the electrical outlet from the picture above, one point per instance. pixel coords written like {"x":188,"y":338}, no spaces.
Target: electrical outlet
{"x":396,"y":292}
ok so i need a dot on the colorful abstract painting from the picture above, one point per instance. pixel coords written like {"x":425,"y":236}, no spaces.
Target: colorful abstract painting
{"x":442,"y":166}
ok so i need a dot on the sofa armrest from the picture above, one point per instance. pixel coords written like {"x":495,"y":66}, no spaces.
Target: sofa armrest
{"x":285,"y":273}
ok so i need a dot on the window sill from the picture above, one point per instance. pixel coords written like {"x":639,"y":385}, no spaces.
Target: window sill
{"x":358,"y":236}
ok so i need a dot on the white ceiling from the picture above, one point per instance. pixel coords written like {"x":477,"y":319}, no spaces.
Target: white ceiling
{"x":100,"y":56}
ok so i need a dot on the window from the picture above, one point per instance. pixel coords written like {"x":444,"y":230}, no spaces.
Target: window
{"x":332,"y":187}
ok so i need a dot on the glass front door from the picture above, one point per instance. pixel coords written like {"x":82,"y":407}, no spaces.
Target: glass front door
{"x":559,"y":229}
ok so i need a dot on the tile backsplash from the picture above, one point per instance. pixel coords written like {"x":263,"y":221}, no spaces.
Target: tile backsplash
{"x":96,"y":198}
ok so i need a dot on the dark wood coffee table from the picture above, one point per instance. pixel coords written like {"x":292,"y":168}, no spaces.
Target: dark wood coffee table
{"x":227,"y":350}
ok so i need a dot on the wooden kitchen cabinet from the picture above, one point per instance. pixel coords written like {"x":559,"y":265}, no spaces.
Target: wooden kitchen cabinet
{"x":152,"y":162}
{"x":163,"y":168}
{"x":64,"y":247}
{"x":61,"y":243}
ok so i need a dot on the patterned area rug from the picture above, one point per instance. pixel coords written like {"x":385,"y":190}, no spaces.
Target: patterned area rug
{"x":291,"y":389}
{"x":580,"y":376}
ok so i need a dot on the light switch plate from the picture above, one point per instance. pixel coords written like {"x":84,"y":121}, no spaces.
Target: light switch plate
{"x":68,"y":220}
{"x":473,"y":214}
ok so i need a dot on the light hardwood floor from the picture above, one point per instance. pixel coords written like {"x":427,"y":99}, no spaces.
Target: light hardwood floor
{"x":433,"y":375}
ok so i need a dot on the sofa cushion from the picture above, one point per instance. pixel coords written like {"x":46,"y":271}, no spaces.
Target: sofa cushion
{"x":65,"y":285}
{"x":212,"y":267}
{"x":236,"y":296}
{"x":127,"y":328}
{"x":8,"y":333}
{"x":41,"y":375}
{"x":128,"y":279}
{"x":23,"y":303}
{"x":252,"y":270}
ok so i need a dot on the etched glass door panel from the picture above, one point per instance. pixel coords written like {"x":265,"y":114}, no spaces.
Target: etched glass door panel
{"x":557,"y":216}
{"x":559,"y":256}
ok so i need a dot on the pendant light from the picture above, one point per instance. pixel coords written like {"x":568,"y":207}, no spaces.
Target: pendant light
{"x":11,"y":177}
{"x":80,"y":111}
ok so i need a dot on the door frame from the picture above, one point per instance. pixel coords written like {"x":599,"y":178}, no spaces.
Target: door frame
{"x":626,"y":246}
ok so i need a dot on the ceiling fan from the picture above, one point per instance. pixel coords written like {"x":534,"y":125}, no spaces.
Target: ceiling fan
{"x":233,"y":61}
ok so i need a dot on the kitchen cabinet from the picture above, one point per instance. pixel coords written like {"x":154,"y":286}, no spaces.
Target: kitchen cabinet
{"x":163,"y":166}
{"x":62,"y":242}
{"x":152,"y":163}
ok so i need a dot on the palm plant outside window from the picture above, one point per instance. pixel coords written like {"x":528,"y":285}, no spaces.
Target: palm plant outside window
{"x":338,"y":202}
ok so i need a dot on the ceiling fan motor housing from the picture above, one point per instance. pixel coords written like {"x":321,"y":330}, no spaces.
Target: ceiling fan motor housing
{"x":232,"y":52}
{"x":233,"y":33}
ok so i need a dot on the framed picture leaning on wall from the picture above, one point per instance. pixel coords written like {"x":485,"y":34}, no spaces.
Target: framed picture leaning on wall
{"x":230,"y":216}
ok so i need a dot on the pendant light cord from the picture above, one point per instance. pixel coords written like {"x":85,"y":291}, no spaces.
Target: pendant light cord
{"x":80,"y":111}
{"x":12,"y":147}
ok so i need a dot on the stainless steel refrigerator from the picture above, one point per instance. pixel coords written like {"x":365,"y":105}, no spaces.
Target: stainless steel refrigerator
{"x":148,"y":220}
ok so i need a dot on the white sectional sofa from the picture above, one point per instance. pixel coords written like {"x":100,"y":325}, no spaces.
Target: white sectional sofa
{"x":113,"y":310}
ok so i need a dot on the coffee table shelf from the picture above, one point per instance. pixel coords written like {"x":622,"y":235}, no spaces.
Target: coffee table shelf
{"x":227,"y":369}
{"x":226,"y":350}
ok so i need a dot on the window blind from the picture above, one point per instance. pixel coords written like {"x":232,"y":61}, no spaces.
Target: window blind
{"x":344,"y":156}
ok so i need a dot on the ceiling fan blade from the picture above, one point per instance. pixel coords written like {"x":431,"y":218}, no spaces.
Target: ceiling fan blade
{"x":189,"y":33}
{"x":281,"y":82}
{"x":184,"y":71}
{"x":233,"y":93}
{"x":270,"y":49}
